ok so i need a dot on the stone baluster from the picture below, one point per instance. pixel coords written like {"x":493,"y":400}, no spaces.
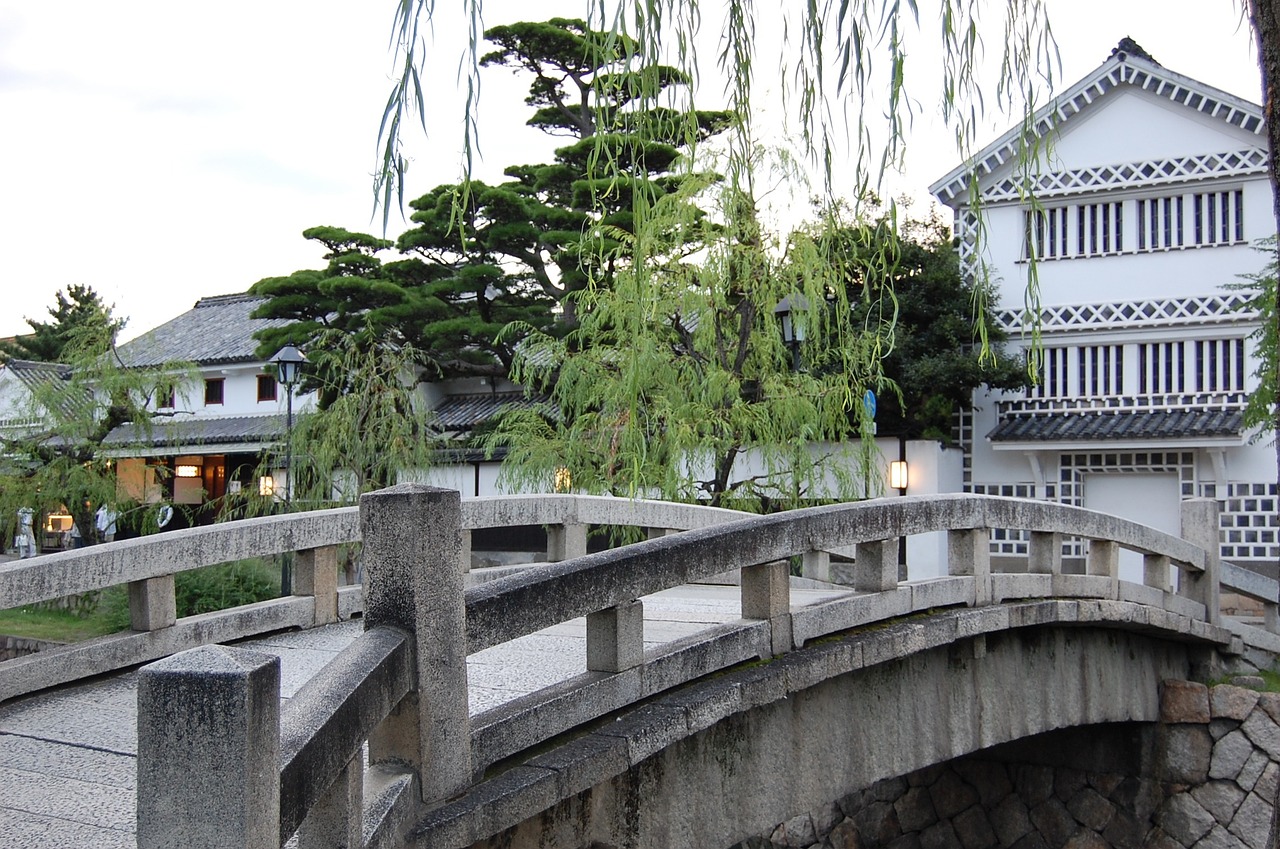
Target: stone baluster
{"x":1102,"y":558}
{"x":336,"y":820}
{"x":412,"y":581}
{"x":565,"y":542}
{"x":969,"y":554}
{"x":615,"y":638}
{"x":875,"y":567}
{"x":1200,"y":528}
{"x":816,"y":565}
{"x":209,"y":750}
{"x":1155,"y":572}
{"x":152,"y":603}
{"x":766,"y":594}
{"x":315,"y":574}
{"x":1045,"y":553}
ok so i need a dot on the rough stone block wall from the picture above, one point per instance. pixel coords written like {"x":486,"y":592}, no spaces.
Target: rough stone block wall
{"x":11,"y":647}
{"x":1207,"y":778}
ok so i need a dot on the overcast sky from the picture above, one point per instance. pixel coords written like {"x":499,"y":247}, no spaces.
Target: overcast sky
{"x":163,"y":151}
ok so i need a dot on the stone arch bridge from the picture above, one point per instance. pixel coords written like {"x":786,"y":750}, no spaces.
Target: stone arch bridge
{"x":652,"y":741}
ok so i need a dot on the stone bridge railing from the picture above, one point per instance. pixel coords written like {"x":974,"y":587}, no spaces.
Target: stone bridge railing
{"x":147,"y":566}
{"x":253,"y":774}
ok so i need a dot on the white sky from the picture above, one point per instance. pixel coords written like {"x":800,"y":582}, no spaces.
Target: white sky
{"x":162,"y":151}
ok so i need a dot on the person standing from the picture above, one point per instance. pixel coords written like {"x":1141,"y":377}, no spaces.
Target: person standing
{"x":105,"y":521}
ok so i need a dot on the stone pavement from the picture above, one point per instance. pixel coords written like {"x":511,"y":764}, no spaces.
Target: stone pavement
{"x":67,"y":755}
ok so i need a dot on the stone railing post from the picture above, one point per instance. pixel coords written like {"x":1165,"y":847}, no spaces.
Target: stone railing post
{"x":875,"y":566}
{"x":209,"y":750}
{"x":413,"y":581}
{"x":1200,"y":528}
{"x":816,"y":565}
{"x":969,"y":554}
{"x":152,"y":603}
{"x":315,"y":573}
{"x":766,"y":594}
{"x":615,"y":638}
{"x":336,"y":821}
{"x":565,"y":542}
{"x":1044,"y":553}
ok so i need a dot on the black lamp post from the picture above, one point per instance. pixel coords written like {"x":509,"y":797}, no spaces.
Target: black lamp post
{"x":792,"y":330}
{"x":288,"y":362}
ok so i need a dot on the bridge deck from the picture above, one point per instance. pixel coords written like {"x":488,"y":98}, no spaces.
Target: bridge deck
{"x":67,"y":756}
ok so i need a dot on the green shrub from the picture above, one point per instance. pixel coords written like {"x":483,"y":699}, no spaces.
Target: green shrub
{"x":227,"y":585}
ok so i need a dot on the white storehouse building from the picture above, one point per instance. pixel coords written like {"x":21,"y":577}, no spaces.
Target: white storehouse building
{"x":1143,"y":204}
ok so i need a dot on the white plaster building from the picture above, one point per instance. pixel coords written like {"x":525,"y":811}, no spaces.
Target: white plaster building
{"x":1143,"y":203}
{"x":213,"y":429}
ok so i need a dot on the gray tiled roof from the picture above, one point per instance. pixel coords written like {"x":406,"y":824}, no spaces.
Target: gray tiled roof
{"x":33,"y":375}
{"x":199,"y":431}
{"x":463,"y":412}
{"x":36,"y":375}
{"x":1147,"y":424}
{"x":216,"y":330}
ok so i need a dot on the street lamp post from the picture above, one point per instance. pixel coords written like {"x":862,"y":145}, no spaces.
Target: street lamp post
{"x":288,"y":362}
{"x":792,"y":330}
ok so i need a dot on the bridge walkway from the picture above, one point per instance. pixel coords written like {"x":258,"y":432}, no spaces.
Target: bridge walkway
{"x":67,"y":755}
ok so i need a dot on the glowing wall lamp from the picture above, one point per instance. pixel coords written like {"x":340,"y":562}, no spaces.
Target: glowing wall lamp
{"x":186,"y":470}
{"x":898,"y":475}
{"x":266,"y":486}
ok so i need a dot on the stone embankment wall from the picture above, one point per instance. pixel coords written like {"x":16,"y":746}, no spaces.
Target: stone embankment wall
{"x":1206,"y":777}
{"x":11,"y":647}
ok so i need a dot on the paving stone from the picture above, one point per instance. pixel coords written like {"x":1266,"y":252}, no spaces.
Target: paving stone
{"x":1011,"y":820}
{"x":1085,"y":839}
{"x":950,"y":795}
{"x":1220,"y":798}
{"x":1125,"y":831}
{"x":1105,"y":782}
{"x":1252,"y":822}
{"x":991,"y":779}
{"x":77,"y":801}
{"x":1264,"y":732}
{"x":1268,"y":781}
{"x":59,"y":760}
{"x":939,"y":836}
{"x":1252,"y":770}
{"x":825,"y":818}
{"x":878,"y":822}
{"x":1187,"y":752}
{"x":1270,"y":702}
{"x":974,"y":830}
{"x":1052,"y":819}
{"x":1068,"y":782}
{"x":1227,"y":702}
{"x":1091,"y":809}
{"x":1219,"y":728}
{"x":1184,"y":701}
{"x":1229,"y":755}
{"x":844,"y":836}
{"x":915,"y":810}
{"x":1184,"y":819}
{"x":1034,"y":783}
{"x":1220,"y":838}
{"x":23,"y":829}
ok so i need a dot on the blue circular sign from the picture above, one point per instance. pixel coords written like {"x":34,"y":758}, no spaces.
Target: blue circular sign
{"x":869,"y":401}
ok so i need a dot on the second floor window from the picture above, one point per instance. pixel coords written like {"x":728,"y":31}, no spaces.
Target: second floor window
{"x":266,"y":387}
{"x":165,"y":399}
{"x":213,"y":391}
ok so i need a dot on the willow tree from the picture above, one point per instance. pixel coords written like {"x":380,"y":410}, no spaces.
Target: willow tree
{"x":678,"y":382}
